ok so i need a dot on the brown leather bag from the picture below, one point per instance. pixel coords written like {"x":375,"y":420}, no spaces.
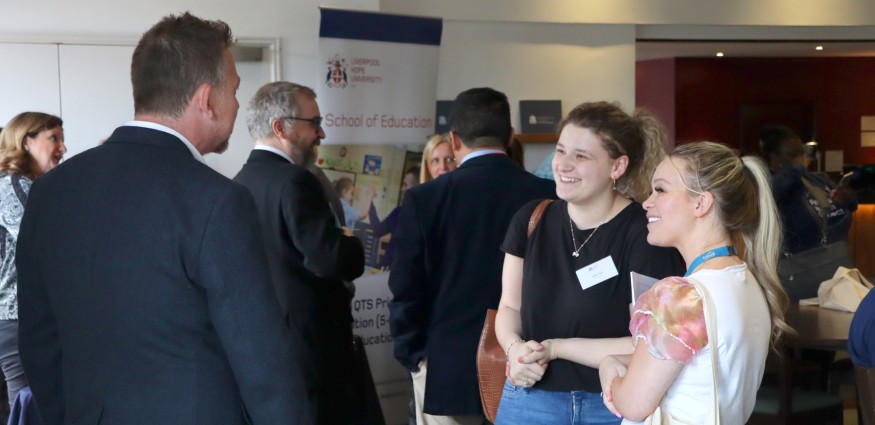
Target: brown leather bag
{"x":491,"y":362}
{"x":491,"y":358}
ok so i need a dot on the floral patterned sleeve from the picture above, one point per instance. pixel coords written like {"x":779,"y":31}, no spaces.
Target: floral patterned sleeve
{"x":669,"y":317}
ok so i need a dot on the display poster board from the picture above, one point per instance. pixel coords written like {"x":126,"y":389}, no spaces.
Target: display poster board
{"x":369,"y":59}
{"x":442,"y":116}
{"x":376,"y":91}
{"x":540,"y":116}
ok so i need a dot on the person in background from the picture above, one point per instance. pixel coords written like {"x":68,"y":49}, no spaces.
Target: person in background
{"x":31,"y":145}
{"x":447,"y":268}
{"x":545,"y":168}
{"x":309,"y":256}
{"x":327,"y":187}
{"x":390,"y":223}
{"x":345,"y":189}
{"x":574,"y":269}
{"x":516,"y":152}
{"x":410,"y":179}
{"x":705,"y":200}
{"x":437,"y":157}
{"x":144,"y":293}
{"x":814,"y":211}
{"x":861,"y":338}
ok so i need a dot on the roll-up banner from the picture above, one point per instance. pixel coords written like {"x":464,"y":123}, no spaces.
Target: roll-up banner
{"x":379,"y":77}
{"x":377,"y":89}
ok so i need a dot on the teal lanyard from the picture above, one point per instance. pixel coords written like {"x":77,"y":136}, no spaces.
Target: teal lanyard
{"x":723,"y":251}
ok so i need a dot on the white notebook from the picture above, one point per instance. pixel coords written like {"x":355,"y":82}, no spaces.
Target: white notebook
{"x":640,"y":284}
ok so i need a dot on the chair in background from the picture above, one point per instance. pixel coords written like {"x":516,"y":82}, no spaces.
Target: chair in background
{"x":786,"y":404}
{"x":865,"y":394}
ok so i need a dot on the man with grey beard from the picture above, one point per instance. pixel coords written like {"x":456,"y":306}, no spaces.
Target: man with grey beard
{"x":309,"y":255}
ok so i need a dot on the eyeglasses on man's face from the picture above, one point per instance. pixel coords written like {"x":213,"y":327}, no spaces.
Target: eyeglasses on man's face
{"x":315,"y":122}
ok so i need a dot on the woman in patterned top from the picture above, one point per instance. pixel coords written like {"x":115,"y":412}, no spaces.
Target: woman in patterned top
{"x":30,"y":145}
{"x":705,"y":201}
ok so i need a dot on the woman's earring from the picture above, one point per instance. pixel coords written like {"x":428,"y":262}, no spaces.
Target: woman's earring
{"x":614,"y":184}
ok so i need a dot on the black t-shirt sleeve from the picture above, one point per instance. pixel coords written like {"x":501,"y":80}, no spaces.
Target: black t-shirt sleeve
{"x":516,"y":238}
{"x":653,"y":261}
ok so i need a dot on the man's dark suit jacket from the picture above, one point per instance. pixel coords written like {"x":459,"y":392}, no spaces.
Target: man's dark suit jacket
{"x":144,"y":294}
{"x":309,"y":259}
{"x":447,"y":272}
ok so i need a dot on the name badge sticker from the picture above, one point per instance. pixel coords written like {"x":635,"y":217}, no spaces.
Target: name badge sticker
{"x":597,"y":272}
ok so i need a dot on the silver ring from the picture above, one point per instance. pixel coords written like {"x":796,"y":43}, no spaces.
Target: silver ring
{"x":526,"y":381}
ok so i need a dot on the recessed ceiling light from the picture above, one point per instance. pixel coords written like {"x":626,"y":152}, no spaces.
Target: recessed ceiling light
{"x":818,"y":48}
{"x":719,"y":54}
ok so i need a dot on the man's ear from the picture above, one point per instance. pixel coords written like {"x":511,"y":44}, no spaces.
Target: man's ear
{"x":510,"y":139}
{"x":456,"y":140}
{"x":201,"y":99}
{"x":704,"y":204}
{"x":278,"y":125}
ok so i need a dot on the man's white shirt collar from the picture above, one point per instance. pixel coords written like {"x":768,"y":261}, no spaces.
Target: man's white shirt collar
{"x":482,"y":152}
{"x":155,"y":126}
{"x":274,"y":150}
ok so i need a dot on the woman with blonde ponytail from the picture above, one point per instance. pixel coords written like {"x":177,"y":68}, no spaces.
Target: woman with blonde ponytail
{"x":711,"y":205}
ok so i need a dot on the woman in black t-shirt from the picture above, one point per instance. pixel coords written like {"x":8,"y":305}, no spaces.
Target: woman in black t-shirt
{"x":566,"y":287}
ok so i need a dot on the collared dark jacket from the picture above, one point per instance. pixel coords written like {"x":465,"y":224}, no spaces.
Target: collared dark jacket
{"x":309,"y":259}
{"x":144,"y":294}
{"x":447,"y":272}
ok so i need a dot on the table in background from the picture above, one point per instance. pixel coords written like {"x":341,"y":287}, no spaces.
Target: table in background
{"x":818,"y":328}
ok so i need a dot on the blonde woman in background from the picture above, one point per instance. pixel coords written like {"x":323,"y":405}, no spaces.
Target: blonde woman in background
{"x":705,"y":200}
{"x":30,"y":145}
{"x":437,"y":158}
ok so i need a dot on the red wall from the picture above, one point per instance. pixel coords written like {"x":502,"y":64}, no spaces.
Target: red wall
{"x":655,"y":90}
{"x":709,"y":94}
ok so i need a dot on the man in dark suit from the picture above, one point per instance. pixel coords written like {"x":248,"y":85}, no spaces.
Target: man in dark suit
{"x":144,"y":292}
{"x":447,"y":270}
{"x":309,"y":255}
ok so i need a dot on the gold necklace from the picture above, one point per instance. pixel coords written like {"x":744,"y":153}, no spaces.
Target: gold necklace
{"x":576,"y":252}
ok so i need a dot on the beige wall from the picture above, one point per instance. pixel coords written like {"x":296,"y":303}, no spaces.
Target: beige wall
{"x":294,"y":22}
{"x":530,"y":49}
{"x":572,"y":63}
{"x":573,"y":50}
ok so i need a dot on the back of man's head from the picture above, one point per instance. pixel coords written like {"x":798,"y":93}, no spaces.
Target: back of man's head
{"x":175,"y":57}
{"x":271,"y":102}
{"x":481,"y":118}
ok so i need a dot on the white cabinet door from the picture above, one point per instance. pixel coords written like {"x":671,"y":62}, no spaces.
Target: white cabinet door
{"x":253,"y":75}
{"x":89,"y":87}
{"x":96,"y":93}
{"x":28,"y":80}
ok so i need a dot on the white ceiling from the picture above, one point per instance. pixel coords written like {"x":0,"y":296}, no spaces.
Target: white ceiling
{"x":647,"y":50}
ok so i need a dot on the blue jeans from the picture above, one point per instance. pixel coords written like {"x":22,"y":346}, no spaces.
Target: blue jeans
{"x":531,"y":406}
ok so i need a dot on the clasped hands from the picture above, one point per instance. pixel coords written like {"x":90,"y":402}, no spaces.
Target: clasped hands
{"x":610,"y":369}
{"x":528,"y":361}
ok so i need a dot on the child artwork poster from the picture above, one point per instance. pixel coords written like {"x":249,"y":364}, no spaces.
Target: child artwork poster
{"x":372,"y":164}
{"x":369,"y":180}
